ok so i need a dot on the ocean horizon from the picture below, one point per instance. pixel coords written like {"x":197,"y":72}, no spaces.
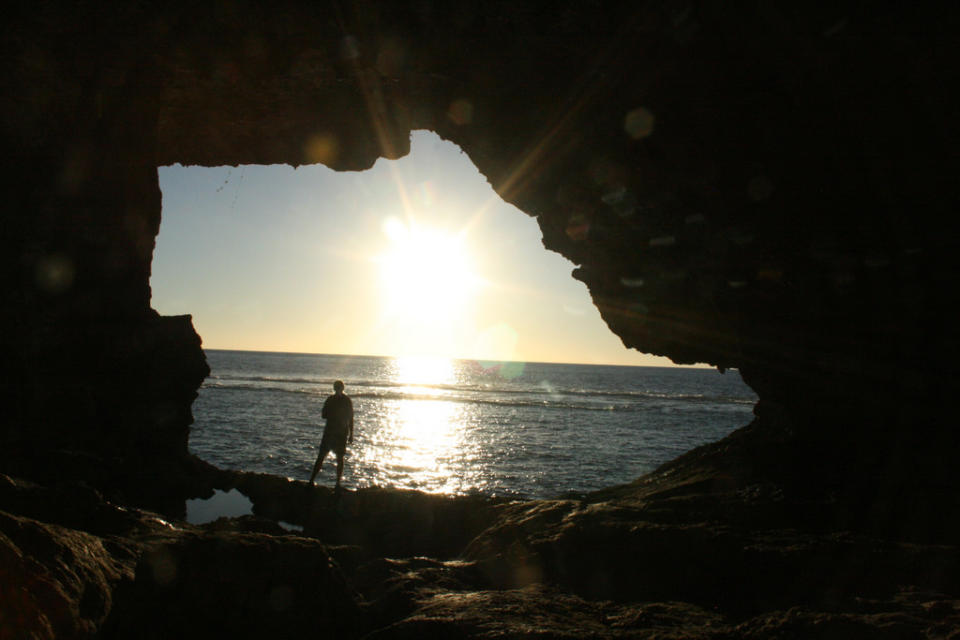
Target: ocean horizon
{"x":524,"y":429}
{"x":455,"y":358}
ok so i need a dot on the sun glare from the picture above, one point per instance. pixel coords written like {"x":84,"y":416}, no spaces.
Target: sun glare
{"x":428,"y":284}
{"x":424,"y":370}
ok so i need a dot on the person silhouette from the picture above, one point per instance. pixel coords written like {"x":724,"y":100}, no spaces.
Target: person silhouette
{"x":338,"y":411}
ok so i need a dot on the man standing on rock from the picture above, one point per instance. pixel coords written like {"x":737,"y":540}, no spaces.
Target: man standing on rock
{"x":338,"y":410}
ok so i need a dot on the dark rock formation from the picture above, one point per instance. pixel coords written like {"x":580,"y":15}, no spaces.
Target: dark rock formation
{"x":233,"y":584}
{"x":620,"y":566}
{"x":538,"y":613}
{"x":385,"y":522}
{"x":54,"y":582}
{"x":97,"y":569}
{"x":748,"y":185}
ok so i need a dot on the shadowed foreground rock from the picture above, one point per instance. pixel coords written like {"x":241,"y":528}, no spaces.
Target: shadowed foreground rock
{"x":683,"y":552}
{"x":535,"y":613}
{"x":218,"y":584}
{"x":123,"y":573}
{"x":56,"y":582}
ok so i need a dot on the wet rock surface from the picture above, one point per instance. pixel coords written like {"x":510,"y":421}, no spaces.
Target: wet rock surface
{"x":56,"y":582}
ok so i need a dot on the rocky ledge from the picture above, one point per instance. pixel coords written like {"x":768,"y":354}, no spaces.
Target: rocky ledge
{"x":697,"y":549}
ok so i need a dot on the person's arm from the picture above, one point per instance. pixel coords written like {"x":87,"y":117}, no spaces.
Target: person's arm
{"x":350,"y":433}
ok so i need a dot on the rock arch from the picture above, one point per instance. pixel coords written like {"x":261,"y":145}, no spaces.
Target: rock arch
{"x":762,"y":188}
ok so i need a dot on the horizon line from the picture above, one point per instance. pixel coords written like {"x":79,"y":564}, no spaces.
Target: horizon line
{"x":699,"y":365}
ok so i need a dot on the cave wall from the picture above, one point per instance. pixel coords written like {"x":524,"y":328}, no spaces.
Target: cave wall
{"x":756,"y":186}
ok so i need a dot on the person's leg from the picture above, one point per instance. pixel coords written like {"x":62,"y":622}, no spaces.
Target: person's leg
{"x":319,"y":463}
{"x":339,"y":466}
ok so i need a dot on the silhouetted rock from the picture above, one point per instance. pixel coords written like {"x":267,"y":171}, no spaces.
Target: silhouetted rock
{"x":639,"y":561}
{"x":233,"y":584}
{"x":57,"y":582}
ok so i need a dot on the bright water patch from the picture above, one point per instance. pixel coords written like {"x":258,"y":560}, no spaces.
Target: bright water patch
{"x":536,"y":430}
{"x":223,"y":504}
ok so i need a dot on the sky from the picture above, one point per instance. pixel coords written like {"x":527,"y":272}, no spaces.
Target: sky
{"x":413,"y":257}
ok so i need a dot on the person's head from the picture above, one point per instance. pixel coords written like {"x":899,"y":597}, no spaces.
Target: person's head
{"x":338,"y":386}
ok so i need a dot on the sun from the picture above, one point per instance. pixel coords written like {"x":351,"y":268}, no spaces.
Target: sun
{"x":428,"y":283}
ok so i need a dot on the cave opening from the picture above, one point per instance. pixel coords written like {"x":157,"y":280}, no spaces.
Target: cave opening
{"x":435,"y":301}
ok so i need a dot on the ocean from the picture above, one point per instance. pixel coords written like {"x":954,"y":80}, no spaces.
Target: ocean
{"x":531,"y":430}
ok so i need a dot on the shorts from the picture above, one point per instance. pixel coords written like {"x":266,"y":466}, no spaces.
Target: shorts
{"x":334,"y":440}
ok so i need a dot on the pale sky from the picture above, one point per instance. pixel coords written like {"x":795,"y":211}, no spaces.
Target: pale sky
{"x":416,"y":256}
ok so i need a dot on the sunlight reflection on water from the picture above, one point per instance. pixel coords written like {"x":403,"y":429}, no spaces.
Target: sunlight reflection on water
{"x":417,"y":441}
{"x":451,"y":426}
